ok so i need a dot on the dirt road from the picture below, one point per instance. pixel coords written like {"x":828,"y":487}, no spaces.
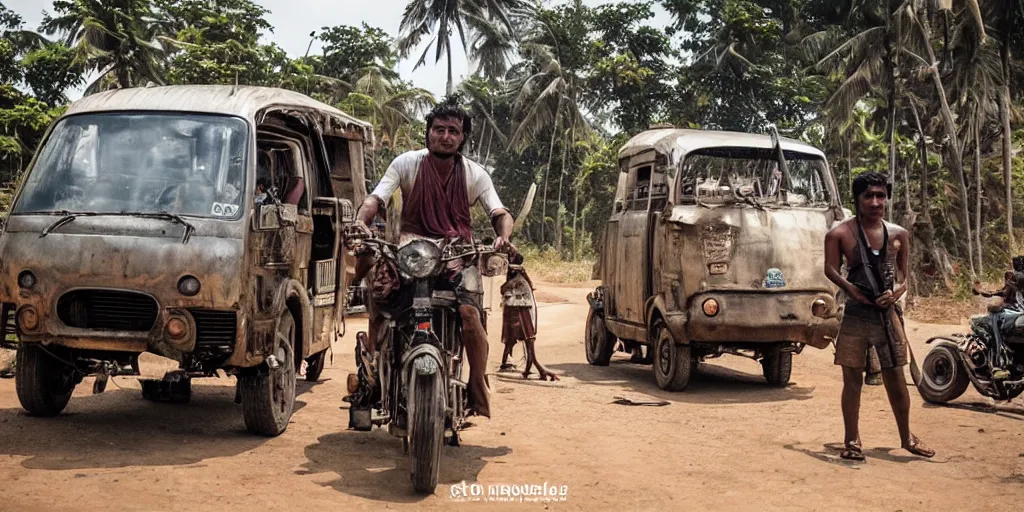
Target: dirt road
{"x":728,"y":443}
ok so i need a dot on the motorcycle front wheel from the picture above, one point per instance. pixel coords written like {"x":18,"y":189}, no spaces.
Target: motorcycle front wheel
{"x":943,"y":377}
{"x":426,"y":429}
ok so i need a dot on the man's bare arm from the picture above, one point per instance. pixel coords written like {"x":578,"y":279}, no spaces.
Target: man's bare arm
{"x":502,"y":222}
{"x":368,"y":211}
{"x":902,"y":265}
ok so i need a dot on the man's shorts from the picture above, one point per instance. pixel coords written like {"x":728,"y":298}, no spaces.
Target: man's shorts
{"x":857,"y":333}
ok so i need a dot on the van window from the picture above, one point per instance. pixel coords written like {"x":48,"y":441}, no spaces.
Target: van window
{"x":640,"y":194}
{"x":714,"y":174}
{"x":186,"y":164}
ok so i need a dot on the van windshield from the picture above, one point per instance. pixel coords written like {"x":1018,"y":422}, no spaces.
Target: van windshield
{"x":184,"y":164}
{"x":731,"y":174}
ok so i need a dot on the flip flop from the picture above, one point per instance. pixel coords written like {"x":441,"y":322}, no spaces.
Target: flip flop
{"x":852,"y":451}
{"x":915,"y":446}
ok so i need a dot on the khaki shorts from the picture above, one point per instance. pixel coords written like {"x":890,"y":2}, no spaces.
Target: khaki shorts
{"x":857,"y":334}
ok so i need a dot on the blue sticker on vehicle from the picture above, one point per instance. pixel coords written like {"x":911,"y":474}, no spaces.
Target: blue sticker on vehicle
{"x":774,"y":279}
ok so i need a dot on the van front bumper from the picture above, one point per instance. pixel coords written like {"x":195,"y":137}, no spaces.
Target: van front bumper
{"x":767,"y":316}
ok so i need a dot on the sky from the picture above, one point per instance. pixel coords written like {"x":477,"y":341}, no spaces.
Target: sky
{"x":293,"y":20}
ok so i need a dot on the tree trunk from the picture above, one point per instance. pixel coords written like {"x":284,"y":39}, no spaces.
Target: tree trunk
{"x":450,"y":86}
{"x":561,"y":176}
{"x":891,"y":135}
{"x":575,"y":215}
{"x":547,"y":172}
{"x":955,"y":151}
{"x":923,"y":148}
{"x":978,"y":190}
{"x":490,"y":140}
{"x":1004,"y":117}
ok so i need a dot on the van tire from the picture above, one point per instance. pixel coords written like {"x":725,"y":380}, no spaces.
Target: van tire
{"x":599,"y":342}
{"x":777,"y":366}
{"x":268,"y":397}
{"x":673,"y":362}
{"x":44,"y":384}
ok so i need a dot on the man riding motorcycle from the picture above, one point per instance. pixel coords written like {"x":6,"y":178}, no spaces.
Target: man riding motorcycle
{"x":439,"y":185}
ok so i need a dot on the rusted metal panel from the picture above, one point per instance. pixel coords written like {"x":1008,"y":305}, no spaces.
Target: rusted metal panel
{"x":244,"y":101}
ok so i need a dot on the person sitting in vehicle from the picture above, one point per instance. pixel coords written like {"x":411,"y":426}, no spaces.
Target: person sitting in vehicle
{"x":262,"y":186}
{"x":439,"y":184}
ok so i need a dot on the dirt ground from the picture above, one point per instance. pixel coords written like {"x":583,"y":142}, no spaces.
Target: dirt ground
{"x":727,"y":443}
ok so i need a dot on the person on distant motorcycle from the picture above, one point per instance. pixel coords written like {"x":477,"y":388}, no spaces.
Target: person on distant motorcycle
{"x":1012,"y":296}
{"x":439,"y":185}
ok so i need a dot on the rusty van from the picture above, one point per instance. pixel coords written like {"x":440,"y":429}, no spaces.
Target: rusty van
{"x":715,"y":245}
{"x":200,"y":223}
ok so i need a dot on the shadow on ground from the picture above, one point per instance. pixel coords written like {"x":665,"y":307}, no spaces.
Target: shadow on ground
{"x":119,"y":428}
{"x":1010,"y":412}
{"x":710,"y":384}
{"x":372,"y":465}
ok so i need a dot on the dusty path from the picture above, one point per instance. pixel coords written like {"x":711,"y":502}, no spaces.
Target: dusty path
{"x":728,"y":443}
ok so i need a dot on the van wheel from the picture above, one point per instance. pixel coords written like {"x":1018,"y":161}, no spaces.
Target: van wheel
{"x":600,"y":342}
{"x":269,"y":398}
{"x":673,"y":362}
{"x":777,"y":366}
{"x":315,"y":366}
{"x":44,"y":384}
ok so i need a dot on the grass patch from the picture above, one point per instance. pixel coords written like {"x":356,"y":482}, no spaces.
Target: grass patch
{"x":548,"y":266}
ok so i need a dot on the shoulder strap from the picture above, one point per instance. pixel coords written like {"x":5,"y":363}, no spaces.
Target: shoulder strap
{"x":862,"y":244}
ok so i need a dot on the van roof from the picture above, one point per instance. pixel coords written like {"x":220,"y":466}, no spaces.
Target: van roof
{"x":243,"y":100}
{"x":678,"y":142}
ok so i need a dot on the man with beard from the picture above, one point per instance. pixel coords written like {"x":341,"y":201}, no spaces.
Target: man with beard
{"x":439,"y":185}
{"x":876,"y":253}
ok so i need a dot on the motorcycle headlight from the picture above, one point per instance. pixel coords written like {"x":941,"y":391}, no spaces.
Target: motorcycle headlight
{"x":419,"y":259}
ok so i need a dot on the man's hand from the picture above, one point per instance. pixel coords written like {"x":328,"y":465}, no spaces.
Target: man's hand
{"x":361,"y":228}
{"x":501,"y":242}
{"x":856,"y":294}
{"x":885,"y":300}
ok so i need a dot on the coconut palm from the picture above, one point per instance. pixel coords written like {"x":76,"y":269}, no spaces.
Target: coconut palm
{"x":548,"y":101}
{"x":392,"y":107}
{"x":115,"y":38}
{"x":443,"y":17}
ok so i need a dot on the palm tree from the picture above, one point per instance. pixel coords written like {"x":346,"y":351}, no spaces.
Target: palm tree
{"x":1009,"y":16}
{"x":423,"y":17}
{"x":975,"y":82}
{"x":869,"y":58}
{"x":919,"y":38}
{"x":548,"y":99}
{"x":116,"y":38}
{"x":482,"y":96}
{"x":392,"y":108}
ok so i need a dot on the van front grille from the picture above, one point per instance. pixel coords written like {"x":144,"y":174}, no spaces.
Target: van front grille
{"x":107,"y":310}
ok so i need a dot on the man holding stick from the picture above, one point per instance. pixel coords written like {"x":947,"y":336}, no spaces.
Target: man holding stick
{"x":874,"y":251}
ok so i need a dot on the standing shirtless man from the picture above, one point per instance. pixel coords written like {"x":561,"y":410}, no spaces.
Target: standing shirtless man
{"x":863,"y":323}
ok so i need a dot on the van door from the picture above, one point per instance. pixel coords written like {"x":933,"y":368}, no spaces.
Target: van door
{"x":634,"y":258}
{"x":610,"y":249}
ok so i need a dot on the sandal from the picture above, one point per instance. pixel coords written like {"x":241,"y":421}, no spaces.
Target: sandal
{"x":917,"y":448}
{"x":852,"y":451}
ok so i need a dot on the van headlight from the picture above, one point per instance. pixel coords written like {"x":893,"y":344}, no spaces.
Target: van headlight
{"x":419,"y":259}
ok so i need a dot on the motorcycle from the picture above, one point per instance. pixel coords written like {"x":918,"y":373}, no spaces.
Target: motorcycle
{"x":990,"y":356}
{"x":414,"y":383}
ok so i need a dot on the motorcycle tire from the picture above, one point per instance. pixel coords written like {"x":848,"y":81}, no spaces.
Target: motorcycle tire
{"x":426,"y":433}
{"x":943,"y":377}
